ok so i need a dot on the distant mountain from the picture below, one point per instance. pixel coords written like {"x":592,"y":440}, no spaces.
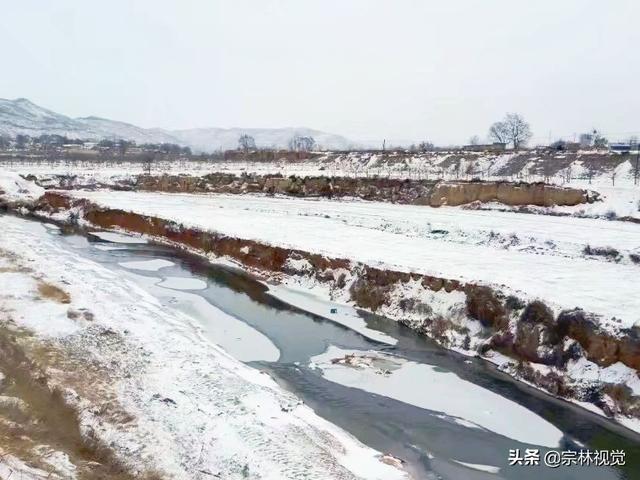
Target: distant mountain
{"x":22,"y":116}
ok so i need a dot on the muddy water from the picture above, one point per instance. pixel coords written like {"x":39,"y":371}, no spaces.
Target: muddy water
{"x":283,"y":339}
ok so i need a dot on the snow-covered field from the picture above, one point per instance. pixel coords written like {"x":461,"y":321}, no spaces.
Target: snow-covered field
{"x":196,"y":412}
{"x":620,"y":195}
{"x":539,"y":256}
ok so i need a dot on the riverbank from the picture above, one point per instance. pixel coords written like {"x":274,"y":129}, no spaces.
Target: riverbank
{"x":429,"y":435}
{"x":161,"y":398}
{"x":533,"y":331}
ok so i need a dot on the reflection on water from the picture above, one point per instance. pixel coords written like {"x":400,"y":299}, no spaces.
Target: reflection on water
{"x":433,"y":445}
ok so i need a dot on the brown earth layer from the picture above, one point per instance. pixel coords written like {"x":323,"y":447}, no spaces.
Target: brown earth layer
{"x":416,"y":192}
{"x":419,"y":192}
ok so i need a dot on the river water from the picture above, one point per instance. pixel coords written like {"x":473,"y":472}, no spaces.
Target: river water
{"x":430,"y":421}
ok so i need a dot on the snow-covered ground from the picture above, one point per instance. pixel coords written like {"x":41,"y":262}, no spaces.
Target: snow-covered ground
{"x":614,"y":180}
{"x":539,"y":256}
{"x":196,"y":411}
{"x":13,"y":187}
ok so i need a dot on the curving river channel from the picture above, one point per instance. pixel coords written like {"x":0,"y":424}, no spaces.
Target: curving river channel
{"x":447,"y":416}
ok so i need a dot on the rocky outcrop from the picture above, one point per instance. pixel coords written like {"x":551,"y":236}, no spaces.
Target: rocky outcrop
{"x":457,"y":314}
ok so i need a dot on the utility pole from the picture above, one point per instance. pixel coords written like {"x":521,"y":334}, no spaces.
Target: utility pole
{"x":635,"y":171}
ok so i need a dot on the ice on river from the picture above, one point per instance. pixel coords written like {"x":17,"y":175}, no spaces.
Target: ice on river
{"x":437,"y":390}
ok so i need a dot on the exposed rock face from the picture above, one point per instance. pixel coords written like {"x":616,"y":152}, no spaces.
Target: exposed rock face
{"x":514,"y":194}
{"x":601,"y":347}
{"x":537,"y":339}
{"x":529,"y":333}
{"x":417,"y":192}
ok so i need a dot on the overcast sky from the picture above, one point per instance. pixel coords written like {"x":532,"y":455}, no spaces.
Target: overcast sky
{"x":368,"y":69}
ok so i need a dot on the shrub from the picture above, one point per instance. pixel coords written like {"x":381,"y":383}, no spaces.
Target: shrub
{"x":608,"y":252}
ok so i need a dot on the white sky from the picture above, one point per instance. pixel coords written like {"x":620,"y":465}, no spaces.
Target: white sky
{"x":367,"y":69}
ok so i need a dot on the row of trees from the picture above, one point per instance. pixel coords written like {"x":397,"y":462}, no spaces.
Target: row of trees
{"x":297,"y":143}
{"x":22,"y":142}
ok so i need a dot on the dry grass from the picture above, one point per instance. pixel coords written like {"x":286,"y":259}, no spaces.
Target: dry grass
{"x":34,"y":411}
{"x":51,"y":292}
{"x":48,"y":418}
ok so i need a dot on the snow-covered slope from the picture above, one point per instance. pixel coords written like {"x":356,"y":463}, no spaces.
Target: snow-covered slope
{"x":22,"y":116}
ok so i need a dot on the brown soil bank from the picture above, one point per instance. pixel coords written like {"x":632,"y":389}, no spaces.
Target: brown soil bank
{"x":418,"y":192}
{"x":527,"y":332}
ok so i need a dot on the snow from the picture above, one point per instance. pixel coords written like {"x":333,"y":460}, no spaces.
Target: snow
{"x":195,"y":407}
{"x":13,"y":187}
{"x":148,"y":265}
{"x":617,"y":373}
{"x":440,"y":391}
{"x":479,"y":467}
{"x":11,"y":466}
{"x":394,"y":237}
{"x":21,"y":116}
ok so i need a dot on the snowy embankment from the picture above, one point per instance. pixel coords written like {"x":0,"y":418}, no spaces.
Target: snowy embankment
{"x":536,"y":255}
{"x":524,"y":288}
{"x":192,"y":411}
{"x":14,"y":188}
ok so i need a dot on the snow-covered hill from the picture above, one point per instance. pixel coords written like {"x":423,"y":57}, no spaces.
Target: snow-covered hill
{"x":22,"y":116}
{"x":207,"y":139}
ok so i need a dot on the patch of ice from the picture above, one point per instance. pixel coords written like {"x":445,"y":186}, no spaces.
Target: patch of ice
{"x":148,"y":265}
{"x":240,"y":340}
{"x":118,"y":237}
{"x":441,"y":391}
{"x":478,"y":466}
{"x":344,"y":314}
{"x":107,"y":248}
{"x":183,"y":283}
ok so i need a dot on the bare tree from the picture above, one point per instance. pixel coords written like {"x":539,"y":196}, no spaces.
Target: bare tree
{"x":123,"y":146}
{"x":5,"y":141}
{"x":301,"y":143}
{"x":599,"y":140}
{"x":246,"y":143}
{"x":22,"y":141}
{"x":147,"y":163}
{"x":426,"y":147}
{"x":513,"y":129}
{"x":474,"y":140}
{"x":633,"y":143}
